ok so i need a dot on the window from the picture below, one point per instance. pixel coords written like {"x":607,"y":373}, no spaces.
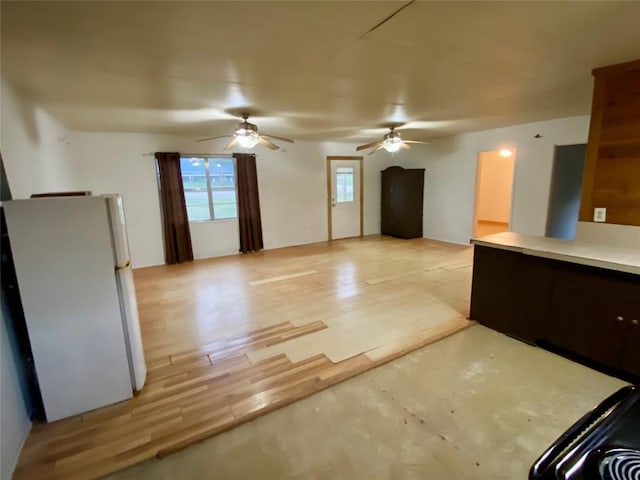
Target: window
{"x":209,"y":188}
{"x":344,"y":184}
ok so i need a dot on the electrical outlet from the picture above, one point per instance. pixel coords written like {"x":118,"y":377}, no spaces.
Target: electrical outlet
{"x":600,"y":214}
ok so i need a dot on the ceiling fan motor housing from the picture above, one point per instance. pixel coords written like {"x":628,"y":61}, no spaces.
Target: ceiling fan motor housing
{"x":391,"y":136}
{"x":246,"y":128}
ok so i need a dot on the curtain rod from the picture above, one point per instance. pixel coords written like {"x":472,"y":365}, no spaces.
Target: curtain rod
{"x":208,"y":155}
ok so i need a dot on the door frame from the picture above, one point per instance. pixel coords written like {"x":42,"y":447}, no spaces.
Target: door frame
{"x":477,"y":188}
{"x":329,"y":180}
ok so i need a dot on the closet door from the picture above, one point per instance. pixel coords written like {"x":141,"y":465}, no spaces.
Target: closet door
{"x":402,"y":196}
{"x":413,"y":193}
{"x":392,"y":200}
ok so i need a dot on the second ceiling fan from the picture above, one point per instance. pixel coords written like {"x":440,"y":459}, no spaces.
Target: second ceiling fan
{"x":246,"y":134}
{"x":391,"y":142}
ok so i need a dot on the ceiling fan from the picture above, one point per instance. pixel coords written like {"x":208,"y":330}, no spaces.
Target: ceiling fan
{"x":246,"y":134}
{"x":391,"y":142}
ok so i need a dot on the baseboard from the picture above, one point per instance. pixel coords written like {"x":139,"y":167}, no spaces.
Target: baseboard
{"x":466,"y":244}
{"x":493,"y":222}
{"x":9,"y":464}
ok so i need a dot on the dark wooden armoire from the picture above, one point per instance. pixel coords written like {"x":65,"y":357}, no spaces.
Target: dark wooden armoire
{"x":402,"y":195}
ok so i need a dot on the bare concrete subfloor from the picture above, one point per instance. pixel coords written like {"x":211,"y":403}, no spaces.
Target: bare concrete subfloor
{"x":477,"y":405}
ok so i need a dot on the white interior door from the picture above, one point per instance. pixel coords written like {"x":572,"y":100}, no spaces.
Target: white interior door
{"x":345,"y":198}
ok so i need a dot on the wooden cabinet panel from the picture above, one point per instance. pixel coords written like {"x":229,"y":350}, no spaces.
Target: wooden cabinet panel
{"x":493,"y":288}
{"x":509,"y":292}
{"x":612,"y":169}
{"x":587,"y":320}
{"x":402,"y":198}
{"x":630,"y":361}
{"x":535,"y":278}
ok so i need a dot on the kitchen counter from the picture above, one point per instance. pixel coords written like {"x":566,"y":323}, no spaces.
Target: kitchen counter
{"x":591,"y":254}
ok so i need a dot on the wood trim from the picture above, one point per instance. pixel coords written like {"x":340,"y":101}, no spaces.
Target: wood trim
{"x":329,"y":213}
{"x":361,"y":197}
{"x":474,"y":225}
{"x":616,"y":69}
{"x":589,"y":175}
{"x":329,"y":208}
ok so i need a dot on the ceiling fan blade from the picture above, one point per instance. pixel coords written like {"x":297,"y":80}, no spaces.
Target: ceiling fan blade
{"x":368,"y":145}
{"x":231,"y":144}
{"x":282,"y":139}
{"x":414,"y":141}
{"x":405,"y":146}
{"x":374,"y":151}
{"x":267,"y":143}
{"x":213,"y":138}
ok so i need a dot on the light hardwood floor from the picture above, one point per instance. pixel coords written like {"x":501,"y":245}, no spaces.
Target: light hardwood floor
{"x":489,"y":228}
{"x":232,"y":338}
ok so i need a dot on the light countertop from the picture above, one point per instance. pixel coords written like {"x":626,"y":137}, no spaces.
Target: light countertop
{"x":592,"y":254}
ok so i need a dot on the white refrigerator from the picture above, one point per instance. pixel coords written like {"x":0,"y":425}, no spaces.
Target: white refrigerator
{"x":71,"y":256}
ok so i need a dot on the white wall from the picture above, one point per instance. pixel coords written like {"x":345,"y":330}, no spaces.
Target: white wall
{"x":292,"y":185}
{"x":35,"y":147}
{"x":494,"y":187}
{"x":36,"y":155}
{"x":450,"y":176}
{"x":627,"y":236}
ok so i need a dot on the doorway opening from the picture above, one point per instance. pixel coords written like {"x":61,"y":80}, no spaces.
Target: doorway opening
{"x":565,"y":191}
{"x":344,"y":197}
{"x":494,"y":185}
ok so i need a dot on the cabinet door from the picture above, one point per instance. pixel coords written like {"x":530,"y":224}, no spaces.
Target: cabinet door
{"x":501,"y":297}
{"x":582,"y":323}
{"x":630,"y":361}
{"x":392,"y":201}
{"x":534,"y":283}
{"x":413,"y":200}
{"x":591,"y":314}
{"x":491,"y":288}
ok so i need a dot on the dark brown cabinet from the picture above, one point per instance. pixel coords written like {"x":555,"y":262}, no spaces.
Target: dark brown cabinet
{"x":402,"y":197}
{"x":506,"y":300}
{"x":591,"y":312}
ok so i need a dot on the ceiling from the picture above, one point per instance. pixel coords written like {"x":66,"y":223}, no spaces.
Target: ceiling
{"x":312,"y":70}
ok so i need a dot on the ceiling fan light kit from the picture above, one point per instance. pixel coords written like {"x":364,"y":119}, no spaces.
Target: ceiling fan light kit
{"x":391,"y":142}
{"x":246,"y":134}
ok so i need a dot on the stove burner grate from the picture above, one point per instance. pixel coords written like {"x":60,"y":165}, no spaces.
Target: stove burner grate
{"x":620,"y":464}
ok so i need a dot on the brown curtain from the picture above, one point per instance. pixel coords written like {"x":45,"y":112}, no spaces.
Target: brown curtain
{"x":177,"y":237}
{"x":249,"y":221}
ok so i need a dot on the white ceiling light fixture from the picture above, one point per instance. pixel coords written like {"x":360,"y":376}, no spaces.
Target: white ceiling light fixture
{"x":391,"y":142}
{"x":246,"y":134}
{"x":505,"y":152}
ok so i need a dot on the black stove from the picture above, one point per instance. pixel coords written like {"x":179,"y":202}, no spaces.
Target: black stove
{"x":603,"y":445}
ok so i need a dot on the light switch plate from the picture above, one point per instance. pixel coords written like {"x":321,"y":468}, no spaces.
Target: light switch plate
{"x":600,"y":214}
